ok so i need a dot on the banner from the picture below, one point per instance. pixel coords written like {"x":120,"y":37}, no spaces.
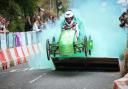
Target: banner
{"x":10,"y":40}
{"x":17,"y":39}
{"x":39,"y":36}
{"x":34,"y":37}
{"x":29,"y":39}
{"x":23,"y":38}
{"x":3,"y":43}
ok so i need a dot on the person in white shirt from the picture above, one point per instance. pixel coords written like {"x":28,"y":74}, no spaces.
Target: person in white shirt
{"x":36,"y":24}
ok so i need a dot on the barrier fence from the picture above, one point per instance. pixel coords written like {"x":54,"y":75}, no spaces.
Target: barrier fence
{"x":18,"y":47}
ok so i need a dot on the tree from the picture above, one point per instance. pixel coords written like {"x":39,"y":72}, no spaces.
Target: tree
{"x":28,"y":6}
{"x":12,"y":9}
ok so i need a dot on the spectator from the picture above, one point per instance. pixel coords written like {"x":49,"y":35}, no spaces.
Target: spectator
{"x":36,"y":24}
{"x":28,"y":24}
{"x":42,"y":25}
{"x":41,"y":12}
{"x":3,"y":25}
{"x":53,"y":19}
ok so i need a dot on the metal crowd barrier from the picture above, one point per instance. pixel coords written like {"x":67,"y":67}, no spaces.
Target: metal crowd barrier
{"x":16,"y":39}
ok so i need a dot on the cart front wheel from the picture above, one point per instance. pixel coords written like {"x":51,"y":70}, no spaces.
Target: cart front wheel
{"x":48,"y":49}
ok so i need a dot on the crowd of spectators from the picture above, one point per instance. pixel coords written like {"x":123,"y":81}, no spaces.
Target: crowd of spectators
{"x":3,"y":25}
{"x":39,"y":20}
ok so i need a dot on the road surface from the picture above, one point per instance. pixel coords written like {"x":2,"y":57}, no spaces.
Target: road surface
{"x":23,"y":77}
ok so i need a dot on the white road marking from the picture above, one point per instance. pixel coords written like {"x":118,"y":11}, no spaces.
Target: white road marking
{"x":14,"y":70}
{"x":25,"y":69}
{"x":32,"y":81}
{"x":19,"y":70}
{"x":31,"y":68}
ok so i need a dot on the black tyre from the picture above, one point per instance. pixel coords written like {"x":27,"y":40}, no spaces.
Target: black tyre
{"x":53,"y":39}
{"x":90,"y":43}
{"x":85,"y":46}
{"x":48,"y":49}
{"x":89,"y":52}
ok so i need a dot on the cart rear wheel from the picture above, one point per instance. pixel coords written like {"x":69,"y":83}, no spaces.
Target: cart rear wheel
{"x":53,"y":39}
{"x":85,"y":45}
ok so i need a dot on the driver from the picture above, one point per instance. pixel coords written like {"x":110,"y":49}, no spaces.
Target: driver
{"x":70,"y":22}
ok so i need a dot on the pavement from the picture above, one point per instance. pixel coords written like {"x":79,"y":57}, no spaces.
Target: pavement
{"x":23,"y":77}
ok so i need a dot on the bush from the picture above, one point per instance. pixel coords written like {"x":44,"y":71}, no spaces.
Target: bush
{"x":16,"y":25}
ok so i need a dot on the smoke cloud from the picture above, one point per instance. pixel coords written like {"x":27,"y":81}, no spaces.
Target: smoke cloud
{"x":101,"y":21}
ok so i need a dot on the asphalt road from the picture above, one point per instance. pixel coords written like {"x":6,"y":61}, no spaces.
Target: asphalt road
{"x":23,"y":77}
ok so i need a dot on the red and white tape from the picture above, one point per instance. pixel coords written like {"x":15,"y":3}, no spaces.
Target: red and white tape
{"x":13,"y":56}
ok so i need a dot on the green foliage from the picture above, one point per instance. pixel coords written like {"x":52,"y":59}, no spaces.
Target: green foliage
{"x":11,"y":9}
{"x":16,"y":25}
{"x":14,"y":9}
{"x":28,"y":6}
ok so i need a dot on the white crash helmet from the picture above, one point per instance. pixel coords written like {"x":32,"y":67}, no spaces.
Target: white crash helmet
{"x":69,"y":14}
